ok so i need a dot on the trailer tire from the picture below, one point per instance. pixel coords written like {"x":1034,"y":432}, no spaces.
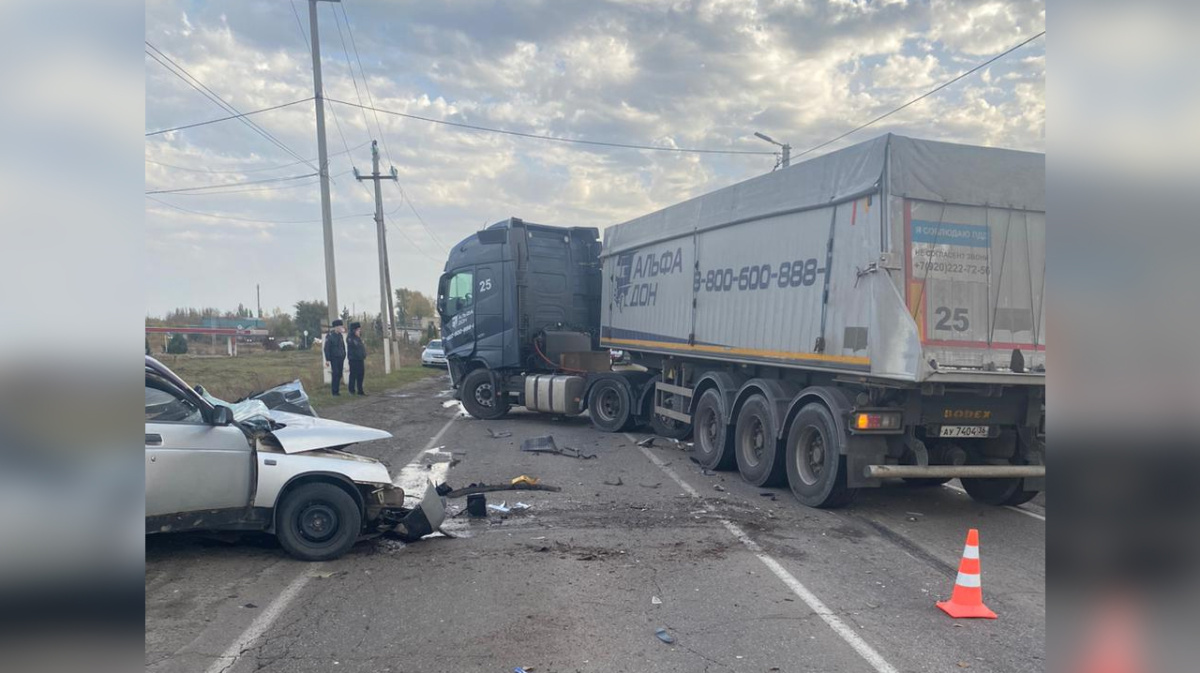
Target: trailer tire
{"x":999,"y":492}
{"x":611,"y":406}
{"x":924,"y":482}
{"x":479,"y":396}
{"x":755,"y":445}
{"x":816,"y":468}
{"x":714,"y":449}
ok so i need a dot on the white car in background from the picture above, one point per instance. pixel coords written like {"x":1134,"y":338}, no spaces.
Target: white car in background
{"x":433,"y":355}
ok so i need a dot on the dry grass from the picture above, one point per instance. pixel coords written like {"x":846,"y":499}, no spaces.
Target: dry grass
{"x":234,"y":378}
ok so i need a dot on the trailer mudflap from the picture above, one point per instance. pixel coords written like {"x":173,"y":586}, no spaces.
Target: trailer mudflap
{"x":861,"y":451}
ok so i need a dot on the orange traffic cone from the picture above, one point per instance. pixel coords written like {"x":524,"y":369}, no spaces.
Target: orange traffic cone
{"x":967,"y":599}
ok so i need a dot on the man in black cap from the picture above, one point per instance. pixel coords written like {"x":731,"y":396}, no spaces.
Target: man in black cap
{"x":335,"y":353}
{"x":358,"y":355}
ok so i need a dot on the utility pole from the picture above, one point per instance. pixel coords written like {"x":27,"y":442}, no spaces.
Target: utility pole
{"x":323,"y":162}
{"x":382,"y":240}
{"x":258,"y":298}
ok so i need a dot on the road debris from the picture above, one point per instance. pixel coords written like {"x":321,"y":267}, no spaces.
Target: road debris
{"x":655,"y":600}
{"x":477,"y":505}
{"x":502,"y":508}
{"x":654,"y":485}
{"x":718,"y":487}
{"x":546,"y":445}
{"x":524,"y":479}
{"x":250,"y":606}
{"x":647,"y":442}
{"x":498,"y":435}
{"x":664,"y":636}
{"x":489,"y":488}
{"x":618,"y":482}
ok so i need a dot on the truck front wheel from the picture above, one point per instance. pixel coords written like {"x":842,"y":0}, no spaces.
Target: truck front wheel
{"x":815,"y":467}
{"x":480,"y":397}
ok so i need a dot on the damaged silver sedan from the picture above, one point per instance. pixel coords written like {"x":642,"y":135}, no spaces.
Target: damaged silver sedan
{"x":268,"y":464}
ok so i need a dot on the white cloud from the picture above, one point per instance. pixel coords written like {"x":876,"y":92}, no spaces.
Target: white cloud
{"x":688,"y":73}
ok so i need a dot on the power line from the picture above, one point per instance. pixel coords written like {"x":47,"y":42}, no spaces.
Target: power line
{"x":251,"y":170}
{"x":354,"y":43}
{"x":428,"y":230}
{"x":268,"y":188}
{"x":473,"y":127}
{"x":225,"y":119}
{"x":231,"y":184}
{"x":192,"y":81}
{"x":235,"y":218}
{"x":346,"y":52}
{"x":926,"y":94}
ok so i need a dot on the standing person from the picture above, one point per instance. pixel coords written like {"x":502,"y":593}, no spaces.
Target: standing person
{"x":358,"y":355}
{"x":335,"y":353}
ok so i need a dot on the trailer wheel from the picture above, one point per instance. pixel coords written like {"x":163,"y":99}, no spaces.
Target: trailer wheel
{"x":1005,"y":491}
{"x":816,"y":468}
{"x":713,"y":448}
{"x":610,"y":406}
{"x":480,"y":398}
{"x":755,"y":444}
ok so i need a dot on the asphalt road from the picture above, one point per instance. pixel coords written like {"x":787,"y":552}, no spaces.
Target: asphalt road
{"x":743,"y":579}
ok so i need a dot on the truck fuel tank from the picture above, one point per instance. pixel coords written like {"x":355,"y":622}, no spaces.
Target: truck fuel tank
{"x":554,"y":393}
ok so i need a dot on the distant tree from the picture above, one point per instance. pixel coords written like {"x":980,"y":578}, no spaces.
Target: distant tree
{"x":430,"y":333}
{"x":412,"y":305}
{"x":281,"y":326}
{"x":147,"y":345}
{"x":309,"y":315}
{"x":346,"y":316}
{"x":177,"y":345}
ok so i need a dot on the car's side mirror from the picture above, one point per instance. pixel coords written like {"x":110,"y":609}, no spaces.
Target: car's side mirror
{"x":222,"y":416}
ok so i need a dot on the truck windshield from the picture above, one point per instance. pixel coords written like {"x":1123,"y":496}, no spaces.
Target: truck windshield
{"x":458,"y":292}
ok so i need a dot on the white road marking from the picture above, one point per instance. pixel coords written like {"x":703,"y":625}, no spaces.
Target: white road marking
{"x":815,"y":604}
{"x":261,"y":623}
{"x":1039,"y":517}
{"x":264,"y":621}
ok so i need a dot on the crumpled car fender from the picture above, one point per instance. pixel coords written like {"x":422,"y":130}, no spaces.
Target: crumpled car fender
{"x":276,"y":469}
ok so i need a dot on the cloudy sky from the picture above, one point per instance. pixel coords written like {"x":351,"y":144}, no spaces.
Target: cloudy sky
{"x":684,"y":73}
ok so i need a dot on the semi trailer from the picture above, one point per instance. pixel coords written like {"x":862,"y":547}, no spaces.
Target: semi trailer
{"x":874,"y":313}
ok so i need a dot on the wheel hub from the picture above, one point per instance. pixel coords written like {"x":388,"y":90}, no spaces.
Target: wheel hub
{"x":811,"y":457}
{"x":483,"y":395}
{"x":317,"y":522}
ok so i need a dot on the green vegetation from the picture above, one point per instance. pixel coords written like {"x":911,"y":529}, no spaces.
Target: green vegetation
{"x":234,"y":378}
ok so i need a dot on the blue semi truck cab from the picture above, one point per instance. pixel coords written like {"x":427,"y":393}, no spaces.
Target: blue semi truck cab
{"x":514,"y":298}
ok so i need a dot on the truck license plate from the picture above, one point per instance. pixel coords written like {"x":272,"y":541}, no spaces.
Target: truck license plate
{"x":964,"y":431}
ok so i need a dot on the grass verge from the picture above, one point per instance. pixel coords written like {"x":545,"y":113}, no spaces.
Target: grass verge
{"x":234,"y":378}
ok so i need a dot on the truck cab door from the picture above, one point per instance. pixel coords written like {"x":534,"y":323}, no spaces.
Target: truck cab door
{"x":456,"y":303}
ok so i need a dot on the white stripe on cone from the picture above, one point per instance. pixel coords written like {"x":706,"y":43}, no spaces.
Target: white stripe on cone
{"x":969,"y":581}
{"x":970,"y":552}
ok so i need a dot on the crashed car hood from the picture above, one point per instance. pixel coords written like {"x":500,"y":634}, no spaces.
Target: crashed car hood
{"x":306,"y":433}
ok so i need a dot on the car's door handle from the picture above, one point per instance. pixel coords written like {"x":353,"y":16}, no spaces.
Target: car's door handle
{"x":153,"y":439}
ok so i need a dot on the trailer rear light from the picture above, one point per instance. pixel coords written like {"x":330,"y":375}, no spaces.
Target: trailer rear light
{"x":877,"y":421}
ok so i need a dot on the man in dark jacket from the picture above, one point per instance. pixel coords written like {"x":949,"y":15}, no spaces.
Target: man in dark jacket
{"x":335,"y":353}
{"x":357,"y":351}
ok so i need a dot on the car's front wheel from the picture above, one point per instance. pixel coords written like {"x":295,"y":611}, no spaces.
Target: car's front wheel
{"x":317,"y":522}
